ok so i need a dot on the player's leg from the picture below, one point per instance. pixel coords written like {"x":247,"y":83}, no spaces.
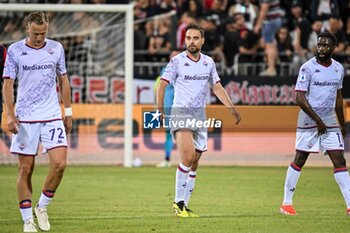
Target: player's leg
{"x":191,"y":180}
{"x":292,"y":176}
{"x":307,"y":141}
{"x":333,"y":143}
{"x":57,"y":166}
{"x":53,"y":138}
{"x":25,"y":145}
{"x":341,"y":174}
{"x":25,"y":190}
{"x":184,"y":140}
{"x":200,"y":141}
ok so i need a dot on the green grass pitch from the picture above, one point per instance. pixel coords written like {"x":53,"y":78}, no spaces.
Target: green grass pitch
{"x":228,"y":199}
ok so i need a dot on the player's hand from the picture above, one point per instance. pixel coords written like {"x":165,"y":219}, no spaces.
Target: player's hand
{"x":321,"y":127}
{"x":68,"y":124}
{"x":12,"y":124}
{"x":236,"y":115}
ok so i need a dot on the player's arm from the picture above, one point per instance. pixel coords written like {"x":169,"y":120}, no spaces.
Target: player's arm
{"x":160,"y":95}
{"x":306,"y":107}
{"x":223,"y":97}
{"x":66,"y":99}
{"x":340,"y":112}
{"x":7,"y":90}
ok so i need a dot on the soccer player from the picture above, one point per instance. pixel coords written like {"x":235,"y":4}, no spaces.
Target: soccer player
{"x":2,"y":63}
{"x":191,"y":72}
{"x":321,"y":124}
{"x":37,"y":62}
{"x":168,"y":102}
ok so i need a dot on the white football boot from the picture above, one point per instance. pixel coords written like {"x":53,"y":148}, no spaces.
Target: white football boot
{"x":43,"y":218}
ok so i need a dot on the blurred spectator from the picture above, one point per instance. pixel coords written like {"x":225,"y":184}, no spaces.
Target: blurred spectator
{"x":230,"y":41}
{"x":347,"y":32}
{"x":140,"y":41}
{"x":185,"y":20}
{"x":11,"y":29}
{"x":323,"y":9}
{"x":144,"y":9}
{"x":167,"y":6}
{"x":159,"y":43}
{"x":247,"y":42}
{"x":316,"y":29}
{"x":216,"y":14}
{"x":301,"y":30}
{"x":193,"y":7}
{"x":284,"y":44}
{"x":212,"y":40}
{"x":335,"y":27}
{"x":246,"y":8}
{"x":269,"y":20}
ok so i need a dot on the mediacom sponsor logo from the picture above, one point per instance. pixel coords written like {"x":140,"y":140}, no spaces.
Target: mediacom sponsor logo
{"x":38,"y":67}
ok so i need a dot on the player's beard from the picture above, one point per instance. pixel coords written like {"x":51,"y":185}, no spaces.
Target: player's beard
{"x":326,"y":56}
{"x":192,"y":49}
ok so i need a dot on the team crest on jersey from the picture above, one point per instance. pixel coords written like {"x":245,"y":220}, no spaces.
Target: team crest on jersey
{"x":205,"y":63}
{"x":50,"y":51}
{"x":317,"y":71}
{"x":24,"y":53}
{"x":21,"y":146}
{"x":336,"y":70}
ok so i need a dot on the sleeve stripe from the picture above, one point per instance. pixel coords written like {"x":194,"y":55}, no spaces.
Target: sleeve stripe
{"x":297,"y":90}
{"x":165,"y":80}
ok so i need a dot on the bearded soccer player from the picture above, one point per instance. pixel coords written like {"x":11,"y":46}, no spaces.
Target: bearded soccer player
{"x":191,"y":72}
{"x":321,"y":124}
{"x":37,"y":62}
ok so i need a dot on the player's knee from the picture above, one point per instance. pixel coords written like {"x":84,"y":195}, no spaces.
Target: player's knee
{"x":25,"y":170}
{"x":300,"y":162}
{"x":339,"y":163}
{"x":59,"y":167}
{"x":187,"y":162}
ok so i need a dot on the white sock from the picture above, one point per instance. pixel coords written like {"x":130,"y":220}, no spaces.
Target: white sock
{"x":45,"y":198}
{"x":190,"y":186}
{"x":342,"y":178}
{"x":25,"y":207}
{"x":290,"y":184}
{"x":181,"y":182}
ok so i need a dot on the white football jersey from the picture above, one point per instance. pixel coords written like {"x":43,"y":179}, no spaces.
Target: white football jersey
{"x":320,"y":85}
{"x":36,"y":71}
{"x":190,"y":79}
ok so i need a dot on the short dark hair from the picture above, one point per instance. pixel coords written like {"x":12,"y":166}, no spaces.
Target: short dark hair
{"x":328,"y":35}
{"x":195,"y":27}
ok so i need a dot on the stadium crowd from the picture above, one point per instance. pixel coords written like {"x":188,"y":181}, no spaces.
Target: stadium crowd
{"x":231,"y":27}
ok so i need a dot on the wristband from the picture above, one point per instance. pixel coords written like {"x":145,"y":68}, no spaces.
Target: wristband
{"x":68,"y":112}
